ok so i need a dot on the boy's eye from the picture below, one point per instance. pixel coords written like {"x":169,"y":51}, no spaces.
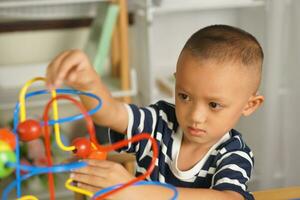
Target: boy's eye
{"x":215,"y":105}
{"x":184,"y":97}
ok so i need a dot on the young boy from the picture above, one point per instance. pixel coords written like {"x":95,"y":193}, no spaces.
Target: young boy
{"x":217,"y":78}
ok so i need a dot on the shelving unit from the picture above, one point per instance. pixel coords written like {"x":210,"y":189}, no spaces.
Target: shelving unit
{"x":48,"y":9}
{"x":9,"y":96}
{"x":123,"y":85}
{"x":167,"y":6}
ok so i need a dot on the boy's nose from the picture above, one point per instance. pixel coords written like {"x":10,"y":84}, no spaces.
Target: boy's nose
{"x":198,"y":115}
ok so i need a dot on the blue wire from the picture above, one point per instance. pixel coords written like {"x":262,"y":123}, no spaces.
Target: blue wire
{"x":18,"y":172}
{"x":68,"y":91}
{"x":58,"y":168}
{"x":12,"y":185}
{"x":166,"y":185}
{"x":51,"y":122}
{"x":39,"y":170}
{"x":66,"y":167}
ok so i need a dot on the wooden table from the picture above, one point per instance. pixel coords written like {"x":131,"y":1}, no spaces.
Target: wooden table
{"x":288,"y":193}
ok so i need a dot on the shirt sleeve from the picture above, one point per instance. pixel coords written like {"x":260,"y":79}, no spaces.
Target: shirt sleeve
{"x":233,"y":172}
{"x":140,"y":120}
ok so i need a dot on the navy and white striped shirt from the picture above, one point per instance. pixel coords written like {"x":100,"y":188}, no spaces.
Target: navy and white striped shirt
{"x":226,"y":166}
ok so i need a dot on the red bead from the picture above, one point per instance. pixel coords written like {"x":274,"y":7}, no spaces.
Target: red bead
{"x":8,"y":137}
{"x":29,"y":130}
{"x":83,"y":147}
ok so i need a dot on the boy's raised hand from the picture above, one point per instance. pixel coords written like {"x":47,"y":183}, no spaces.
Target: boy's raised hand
{"x":72,"y":68}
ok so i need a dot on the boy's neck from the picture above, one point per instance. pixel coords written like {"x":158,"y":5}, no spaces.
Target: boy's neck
{"x":193,"y":146}
{"x":185,"y":160}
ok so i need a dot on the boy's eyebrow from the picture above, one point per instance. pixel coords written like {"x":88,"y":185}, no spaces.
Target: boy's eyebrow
{"x":181,"y":88}
{"x":217,"y":98}
{"x":209,"y":98}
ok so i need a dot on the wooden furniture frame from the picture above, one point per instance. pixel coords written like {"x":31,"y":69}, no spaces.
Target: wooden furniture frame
{"x":278,"y":194}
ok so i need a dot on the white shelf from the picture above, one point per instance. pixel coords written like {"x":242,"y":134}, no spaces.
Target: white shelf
{"x":9,"y":96}
{"x":29,"y":3}
{"x":167,"y":6}
{"x":48,"y":9}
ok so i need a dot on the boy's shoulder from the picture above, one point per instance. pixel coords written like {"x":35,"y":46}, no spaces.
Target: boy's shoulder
{"x":159,"y":105}
{"x":164,"y":105}
{"x":234,"y":143}
{"x":161,"y":112}
{"x":164,"y":108}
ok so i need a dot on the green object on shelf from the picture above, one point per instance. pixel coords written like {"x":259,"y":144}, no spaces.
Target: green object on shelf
{"x":106,"y":26}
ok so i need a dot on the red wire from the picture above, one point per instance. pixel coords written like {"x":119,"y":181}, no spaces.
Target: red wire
{"x":48,"y":154}
{"x":120,"y":144}
{"x":91,"y":130}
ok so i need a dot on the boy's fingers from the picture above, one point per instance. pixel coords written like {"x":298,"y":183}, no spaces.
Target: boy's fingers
{"x":89,"y":179}
{"x":92,"y":171}
{"x":72,"y":76}
{"x":88,"y":187}
{"x":106,"y":164}
{"x":53,"y":67}
{"x":70,"y":63}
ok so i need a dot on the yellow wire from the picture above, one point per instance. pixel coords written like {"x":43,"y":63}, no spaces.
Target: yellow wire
{"x":22,"y":97}
{"x":56,"y":127}
{"x":55,"y":112}
{"x":77,"y":189}
{"x":28,"y":197}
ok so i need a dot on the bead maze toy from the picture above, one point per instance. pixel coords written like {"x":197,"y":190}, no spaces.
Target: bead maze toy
{"x":28,"y":129}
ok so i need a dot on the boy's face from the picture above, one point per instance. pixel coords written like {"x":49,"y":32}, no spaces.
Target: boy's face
{"x":211,"y":97}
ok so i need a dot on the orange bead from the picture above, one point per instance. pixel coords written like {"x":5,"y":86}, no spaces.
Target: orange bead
{"x":98,"y":155}
{"x":4,"y":146}
{"x":7,"y":136}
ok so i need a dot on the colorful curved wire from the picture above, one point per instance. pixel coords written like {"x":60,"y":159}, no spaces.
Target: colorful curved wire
{"x":51,"y":122}
{"x":38,"y":170}
{"x":90,"y":127}
{"x":59,"y":168}
{"x":28,"y":197}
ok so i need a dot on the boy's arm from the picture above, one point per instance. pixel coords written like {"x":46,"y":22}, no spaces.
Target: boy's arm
{"x":113,"y":113}
{"x":160,"y":193}
{"x":101,"y":174}
{"x":74,"y":69}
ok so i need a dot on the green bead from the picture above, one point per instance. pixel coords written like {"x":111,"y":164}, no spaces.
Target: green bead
{"x":6,"y":156}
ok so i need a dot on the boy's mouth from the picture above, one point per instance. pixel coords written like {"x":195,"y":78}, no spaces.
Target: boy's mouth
{"x":196,"y":131}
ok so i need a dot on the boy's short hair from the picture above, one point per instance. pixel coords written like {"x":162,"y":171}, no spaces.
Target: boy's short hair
{"x":225,"y":43}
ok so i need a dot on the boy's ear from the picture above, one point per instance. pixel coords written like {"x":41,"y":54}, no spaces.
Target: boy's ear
{"x":253,"y":104}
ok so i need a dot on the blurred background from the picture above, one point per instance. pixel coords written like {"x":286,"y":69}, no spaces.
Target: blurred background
{"x":134,"y":45}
